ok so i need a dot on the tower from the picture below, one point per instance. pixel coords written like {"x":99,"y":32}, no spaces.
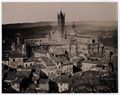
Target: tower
{"x":74,"y":29}
{"x":61,"y":22}
{"x":18,"y":42}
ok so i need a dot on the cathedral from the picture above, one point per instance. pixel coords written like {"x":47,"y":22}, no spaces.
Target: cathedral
{"x":60,"y":38}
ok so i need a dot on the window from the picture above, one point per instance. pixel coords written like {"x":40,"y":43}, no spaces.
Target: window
{"x":30,"y":64}
{"x":26,"y":65}
{"x":93,"y":41}
{"x":59,"y":67}
{"x":13,"y":60}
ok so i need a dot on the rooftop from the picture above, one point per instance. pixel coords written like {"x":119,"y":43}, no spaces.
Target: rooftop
{"x":43,"y":81}
{"x":33,"y":59}
{"x":58,"y":59}
{"x":82,"y":36}
{"x":5,"y":58}
{"x":62,"y":60}
{"x":91,"y":62}
{"x":62,"y":79}
{"x":40,"y":51}
{"x":47,"y":61}
{"x":38,"y":66}
{"x":16,"y":54}
{"x":58,"y":52}
{"x":78,"y":59}
{"x":17,"y":74}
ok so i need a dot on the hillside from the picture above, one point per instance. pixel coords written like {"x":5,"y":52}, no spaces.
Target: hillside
{"x":40,"y":29}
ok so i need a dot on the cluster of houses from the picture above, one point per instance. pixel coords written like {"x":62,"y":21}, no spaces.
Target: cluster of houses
{"x":53,"y":57}
{"x":56,"y":67}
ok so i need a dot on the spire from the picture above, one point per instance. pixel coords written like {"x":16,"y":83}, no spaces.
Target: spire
{"x":73,"y":26}
{"x":61,"y":11}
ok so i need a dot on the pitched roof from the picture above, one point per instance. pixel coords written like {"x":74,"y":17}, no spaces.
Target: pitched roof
{"x":92,"y":62}
{"x":19,"y":74}
{"x":47,"y":61}
{"x":62,"y":60}
{"x":16,"y":54}
{"x":38,"y":66}
{"x":58,"y":52}
{"x":43,"y":81}
{"x":40,"y":51}
{"x":62,"y":79}
{"x":33,"y":59}
{"x":57,"y":59}
{"x":5,"y":58}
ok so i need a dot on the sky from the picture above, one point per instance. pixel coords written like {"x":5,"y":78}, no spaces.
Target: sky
{"x":16,"y":12}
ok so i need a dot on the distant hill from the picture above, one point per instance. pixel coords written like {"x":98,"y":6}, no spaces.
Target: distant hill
{"x":36,"y":24}
{"x":29,"y":25}
{"x":95,"y":28}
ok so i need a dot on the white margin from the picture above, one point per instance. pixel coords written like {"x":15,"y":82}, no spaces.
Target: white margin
{"x":62,"y":1}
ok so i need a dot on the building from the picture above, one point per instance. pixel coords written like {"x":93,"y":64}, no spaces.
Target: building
{"x":87,"y":65}
{"x":15,"y":77}
{"x":61,"y":22}
{"x":39,"y":53}
{"x":96,"y":48}
{"x":5,"y":61}
{"x":84,"y":44}
{"x":36,"y":40}
{"x":18,"y":44}
{"x":63,"y":65}
{"x":15,"y":59}
{"x":63,"y":82}
{"x":50,"y":67}
{"x":42,"y":85}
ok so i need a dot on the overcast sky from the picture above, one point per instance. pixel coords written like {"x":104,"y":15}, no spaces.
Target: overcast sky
{"x":35,"y":12}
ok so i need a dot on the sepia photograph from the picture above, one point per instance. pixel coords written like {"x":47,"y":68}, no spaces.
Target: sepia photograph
{"x":59,"y":47}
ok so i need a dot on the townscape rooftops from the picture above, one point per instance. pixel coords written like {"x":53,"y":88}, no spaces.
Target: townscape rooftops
{"x":38,"y":66}
{"x":58,"y":52}
{"x":96,"y":56}
{"x":17,"y":74}
{"x":58,"y":43}
{"x":35,"y":66}
{"x":57,"y":59}
{"x":40,"y":51}
{"x":62,"y":60}
{"x":16,"y":54}
{"x":109,"y":48}
{"x":40,"y":43}
{"x":47,"y":61}
{"x":33,"y":59}
{"x":49,"y":42}
{"x":43,"y":81}
{"x":36,"y":37}
{"x":5,"y":58}
{"x":78,"y":59}
{"x":91,"y":62}
{"x":90,"y":74}
{"x":62,"y":79}
{"x":82,"y":36}
{"x":94,"y":44}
